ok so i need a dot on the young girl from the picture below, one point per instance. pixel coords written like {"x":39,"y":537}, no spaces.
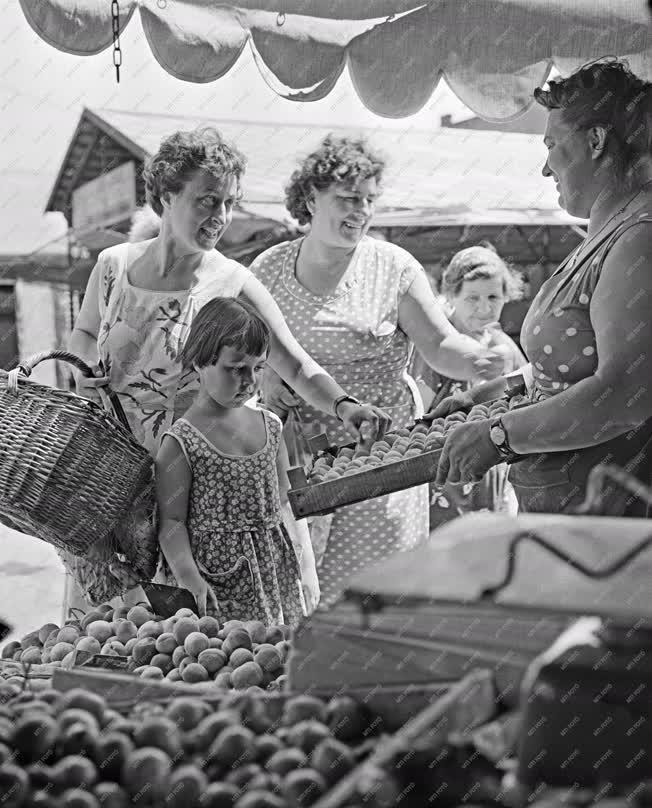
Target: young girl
{"x":476,"y":284}
{"x":220,"y":476}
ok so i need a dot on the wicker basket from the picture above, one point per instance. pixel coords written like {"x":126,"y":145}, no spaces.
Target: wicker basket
{"x":70,"y":471}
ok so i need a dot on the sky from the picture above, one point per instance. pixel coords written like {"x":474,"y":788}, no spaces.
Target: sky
{"x":43,"y":92}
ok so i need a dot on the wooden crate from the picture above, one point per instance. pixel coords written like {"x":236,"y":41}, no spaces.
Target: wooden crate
{"x":417,"y":643}
{"x":393,"y":706}
{"x":321,"y":498}
{"x":9,"y":668}
{"x":454,"y":714}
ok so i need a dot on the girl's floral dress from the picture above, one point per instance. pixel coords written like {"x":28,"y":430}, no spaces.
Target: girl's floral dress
{"x":235,"y":528}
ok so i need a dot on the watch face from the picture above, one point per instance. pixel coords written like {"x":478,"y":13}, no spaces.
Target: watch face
{"x":497,"y":435}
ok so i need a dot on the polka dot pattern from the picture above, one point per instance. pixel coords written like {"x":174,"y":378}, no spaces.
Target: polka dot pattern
{"x":557,"y":333}
{"x":353,"y":334}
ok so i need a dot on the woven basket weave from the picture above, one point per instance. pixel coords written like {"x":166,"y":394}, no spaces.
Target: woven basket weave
{"x":70,"y":472}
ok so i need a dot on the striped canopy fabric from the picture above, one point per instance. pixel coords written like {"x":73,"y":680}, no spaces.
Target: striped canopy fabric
{"x":492,"y":53}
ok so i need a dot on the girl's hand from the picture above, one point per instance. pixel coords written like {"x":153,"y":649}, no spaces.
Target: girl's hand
{"x":203,"y":595}
{"x":87,"y":387}
{"x":364,"y":421}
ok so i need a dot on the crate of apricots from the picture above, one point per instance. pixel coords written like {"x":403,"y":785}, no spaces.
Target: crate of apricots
{"x":344,"y":475}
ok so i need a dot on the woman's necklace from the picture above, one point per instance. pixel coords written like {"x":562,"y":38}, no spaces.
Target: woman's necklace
{"x":583,"y":244}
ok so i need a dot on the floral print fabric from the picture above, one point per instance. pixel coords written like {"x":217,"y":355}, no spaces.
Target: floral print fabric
{"x":235,"y":528}
{"x":141,"y":334}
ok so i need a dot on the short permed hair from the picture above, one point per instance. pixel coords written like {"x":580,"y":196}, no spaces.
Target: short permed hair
{"x":224,"y":321}
{"x":480,"y":263}
{"x":336,"y":160}
{"x":182,"y":154}
{"x":606,"y":93}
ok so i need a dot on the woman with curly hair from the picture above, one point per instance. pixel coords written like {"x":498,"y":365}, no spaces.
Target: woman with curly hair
{"x":359,"y":305}
{"x":141,"y":298}
{"x":476,"y":284}
{"x":588,"y":331}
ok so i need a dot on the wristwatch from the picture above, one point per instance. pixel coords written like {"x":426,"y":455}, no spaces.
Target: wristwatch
{"x":498,"y":436}
{"x":343,"y":398}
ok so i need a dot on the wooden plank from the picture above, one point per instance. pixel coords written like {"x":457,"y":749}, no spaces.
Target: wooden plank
{"x":393,"y":705}
{"x":321,"y":498}
{"x":466,"y":706}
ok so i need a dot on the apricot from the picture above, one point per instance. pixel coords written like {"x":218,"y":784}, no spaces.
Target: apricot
{"x":60,"y":650}
{"x":187,"y":712}
{"x":184,"y":627}
{"x":234,"y":745}
{"x":194,"y":673}
{"x":236,"y":638}
{"x":303,"y":787}
{"x":209,"y":626}
{"x":247,"y":675}
{"x":99,"y":629}
{"x":144,"y":650}
{"x":240,"y":656}
{"x":195,"y":643}
{"x":151,"y":628}
{"x":139,"y":615}
{"x":147,"y":771}
{"x":213,"y":659}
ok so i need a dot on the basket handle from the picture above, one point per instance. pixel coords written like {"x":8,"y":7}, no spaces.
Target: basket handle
{"x":109,"y":398}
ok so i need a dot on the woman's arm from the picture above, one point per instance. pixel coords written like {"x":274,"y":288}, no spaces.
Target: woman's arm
{"x":618,"y":397}
{"x":287,"y":357}
{"x":83,"y":340}
{"x":299,"y":533}
{"x":447,"y":351}
{"x":304,"y":375}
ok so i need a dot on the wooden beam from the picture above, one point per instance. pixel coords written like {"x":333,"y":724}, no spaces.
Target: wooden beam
{"x":81,"y":164}
{"x":34,"y":272}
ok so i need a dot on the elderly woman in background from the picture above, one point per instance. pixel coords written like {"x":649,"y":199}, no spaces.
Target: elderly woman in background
{"x":141,"y":297}
{"x":476,"y":284}
{"x":588,"y":331}
{"x":358,"y":305}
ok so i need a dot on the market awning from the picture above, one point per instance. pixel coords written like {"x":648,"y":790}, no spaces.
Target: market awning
{"x":492,"y":53}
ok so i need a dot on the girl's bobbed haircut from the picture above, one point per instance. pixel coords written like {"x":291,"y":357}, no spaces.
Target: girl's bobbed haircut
{"x":181,"y":155}
{"x":607,"y":94}
{"x":481,"y":262}
{"x":222,"y":322}
{"x":336,"y":160}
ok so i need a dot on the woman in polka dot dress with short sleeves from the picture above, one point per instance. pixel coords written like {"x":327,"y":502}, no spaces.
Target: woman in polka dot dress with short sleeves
{"x":358,"y":305}
{"x":588,"y":332}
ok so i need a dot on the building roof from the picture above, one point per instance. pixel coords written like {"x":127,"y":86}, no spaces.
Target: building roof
{"x":449,"y":175}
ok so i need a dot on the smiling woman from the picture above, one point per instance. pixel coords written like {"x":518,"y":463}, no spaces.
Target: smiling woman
{"x":588,"y":331}
{"x":142,"y":297}
{"x":359,"y":305}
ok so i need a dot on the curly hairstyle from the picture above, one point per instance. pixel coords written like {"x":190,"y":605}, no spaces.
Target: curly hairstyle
{"x":336,"y":160}
{"x":606,"y":93}
{"x":182,"y":154}
{"x":480,"y":263}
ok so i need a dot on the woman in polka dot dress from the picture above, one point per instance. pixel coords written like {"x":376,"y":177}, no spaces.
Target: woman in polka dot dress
{"x":588,"y":332}
{"x":358,"y":305}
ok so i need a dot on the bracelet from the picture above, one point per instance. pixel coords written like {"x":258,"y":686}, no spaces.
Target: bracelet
{"x":341,"y":399}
